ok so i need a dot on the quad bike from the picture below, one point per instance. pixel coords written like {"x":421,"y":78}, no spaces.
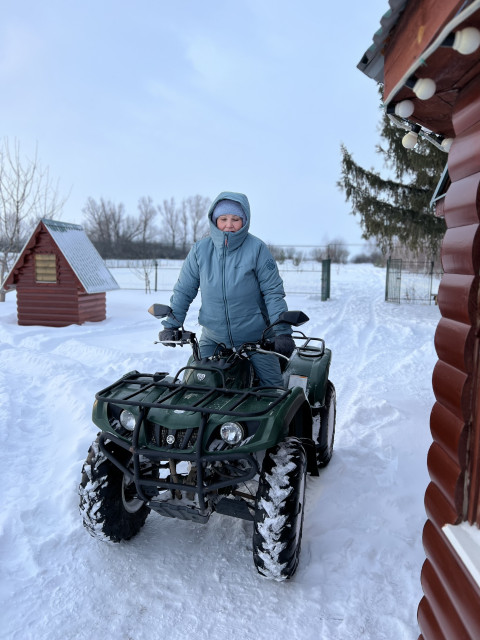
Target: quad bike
{"x":210,"y":439}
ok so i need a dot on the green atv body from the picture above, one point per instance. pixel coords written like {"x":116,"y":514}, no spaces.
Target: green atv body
{"x":209,"y":440}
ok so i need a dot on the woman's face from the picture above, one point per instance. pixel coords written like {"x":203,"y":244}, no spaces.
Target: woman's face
{"x":229,"y":223}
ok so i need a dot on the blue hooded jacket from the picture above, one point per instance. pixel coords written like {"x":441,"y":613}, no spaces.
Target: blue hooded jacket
{"x":241,"y":289}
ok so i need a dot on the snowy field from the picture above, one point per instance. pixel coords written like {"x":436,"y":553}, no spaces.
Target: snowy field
{"x":359,"y":571}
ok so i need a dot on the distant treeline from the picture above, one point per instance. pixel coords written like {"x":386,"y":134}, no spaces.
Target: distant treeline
{"x":165,"y":230}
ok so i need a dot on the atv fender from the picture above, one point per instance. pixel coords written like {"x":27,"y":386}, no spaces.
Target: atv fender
{"x":312,"y":368}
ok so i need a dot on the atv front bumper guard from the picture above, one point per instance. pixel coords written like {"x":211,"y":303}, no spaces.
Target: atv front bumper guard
{"x":199,"y":457}
{"x":200,"y":488}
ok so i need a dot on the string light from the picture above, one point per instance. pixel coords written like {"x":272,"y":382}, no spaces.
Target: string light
{"x":423,"y":88}
{"x":404,"y":109}
{"x":446,"y":144}
{"x":411,"y":138}
{"x":465,"y":41}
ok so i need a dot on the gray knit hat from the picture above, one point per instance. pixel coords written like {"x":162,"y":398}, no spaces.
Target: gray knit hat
{"x":229,"y":207}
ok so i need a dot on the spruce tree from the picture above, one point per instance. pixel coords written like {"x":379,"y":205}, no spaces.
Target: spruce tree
{"x":397,"y":211}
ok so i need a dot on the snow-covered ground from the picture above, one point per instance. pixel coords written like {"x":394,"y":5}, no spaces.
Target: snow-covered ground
{"x":359,"y":571}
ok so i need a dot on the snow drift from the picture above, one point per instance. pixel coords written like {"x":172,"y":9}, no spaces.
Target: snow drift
{"x":359,"y":571}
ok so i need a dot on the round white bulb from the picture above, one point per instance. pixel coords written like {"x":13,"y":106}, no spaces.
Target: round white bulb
{"x":404,"y":109}
{"x":410,"y":139}
{"x":467,"y":40}
{"x":424,"y":88}
{"x":446,"y":144}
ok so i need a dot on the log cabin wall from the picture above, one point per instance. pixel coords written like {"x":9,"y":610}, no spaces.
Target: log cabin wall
{"x":92,"y":307}
{"x":54,"y":304}
{"x":450,"y":607}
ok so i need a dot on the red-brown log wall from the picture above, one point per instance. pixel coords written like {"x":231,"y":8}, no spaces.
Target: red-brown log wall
{"x":450,"y":608}
{"x":55,"y":304}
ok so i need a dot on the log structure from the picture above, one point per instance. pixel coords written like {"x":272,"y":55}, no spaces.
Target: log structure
{"x":415,"y":41}
{"x":59,"y":277}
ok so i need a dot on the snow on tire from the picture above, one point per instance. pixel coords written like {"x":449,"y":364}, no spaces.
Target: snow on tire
{"x":108,"y":502}
{"x":279,"y":510}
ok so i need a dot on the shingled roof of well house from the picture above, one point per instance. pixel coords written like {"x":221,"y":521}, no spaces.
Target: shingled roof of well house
{"x":82,"y":256}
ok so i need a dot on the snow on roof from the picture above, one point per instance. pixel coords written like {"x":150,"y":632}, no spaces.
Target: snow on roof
{"x":81,"y":255}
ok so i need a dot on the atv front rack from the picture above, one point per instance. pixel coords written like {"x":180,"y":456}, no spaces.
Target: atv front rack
{"x":175,"y":392}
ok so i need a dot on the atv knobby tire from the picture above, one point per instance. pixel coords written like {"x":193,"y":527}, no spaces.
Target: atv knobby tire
{"x":279,"y":510}
{"x":108,"y":501}
{"x":326,"y":435}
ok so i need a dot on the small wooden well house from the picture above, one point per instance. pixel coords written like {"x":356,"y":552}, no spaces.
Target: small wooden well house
{"x":60,"y":277}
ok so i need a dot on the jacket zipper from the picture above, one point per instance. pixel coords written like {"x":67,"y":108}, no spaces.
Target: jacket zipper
{"x":225,"y":246}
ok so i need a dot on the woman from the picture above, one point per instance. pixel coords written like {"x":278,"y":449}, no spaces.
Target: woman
{"x":242,"y":292}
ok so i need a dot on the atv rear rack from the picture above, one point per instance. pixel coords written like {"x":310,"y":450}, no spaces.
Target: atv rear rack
{"x":169,"y":401}
{"x":307,"y":349}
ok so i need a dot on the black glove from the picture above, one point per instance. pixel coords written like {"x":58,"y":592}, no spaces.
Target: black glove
{"x":166,"y":336}
{"x":284,"y":344}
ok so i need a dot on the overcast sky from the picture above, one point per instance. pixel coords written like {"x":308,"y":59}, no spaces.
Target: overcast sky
{"x":181,"y":97}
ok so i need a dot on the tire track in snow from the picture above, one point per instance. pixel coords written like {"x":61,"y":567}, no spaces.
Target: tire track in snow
{"x":359,"y":569}
{"x":351,"y":371}
{"x":382,"y":391}
{"x":36,"y":430}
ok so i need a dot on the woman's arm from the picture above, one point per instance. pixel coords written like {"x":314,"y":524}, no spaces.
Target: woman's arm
{"x":271,"y":287}
{"x":184,"y":291}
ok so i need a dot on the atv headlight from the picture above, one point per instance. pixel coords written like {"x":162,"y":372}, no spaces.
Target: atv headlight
{"x":231,"y":432}
{"x":127,"y":420}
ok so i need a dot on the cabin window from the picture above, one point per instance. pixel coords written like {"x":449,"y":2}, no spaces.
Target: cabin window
{"x":45,"y":267}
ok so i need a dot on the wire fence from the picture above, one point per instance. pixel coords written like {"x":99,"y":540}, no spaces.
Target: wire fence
{"x":414,"y":282}
{"x":406,"y":281}
{"x":161,"y":275}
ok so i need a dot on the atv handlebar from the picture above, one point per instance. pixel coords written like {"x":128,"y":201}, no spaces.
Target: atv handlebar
{"x":271,"y":352}
{"x":180,"y":337}
{"x":264,"y":345}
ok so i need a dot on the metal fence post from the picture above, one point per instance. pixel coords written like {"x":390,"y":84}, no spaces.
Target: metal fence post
{"x":326,"y":279}
{"x":386,"y":279}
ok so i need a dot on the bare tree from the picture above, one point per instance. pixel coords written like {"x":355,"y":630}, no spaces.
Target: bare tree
{"x":188,"y":222}
{"x":184,"y":220}
{"x":198,"y":207}
{"x":371,"y":253}
{"x":109,"y":227}
{"x":143,"y":269}
{"x":117,"y":235}
{"x":336,"y":250}
{"x":147,"y":214}
{"x":26,"y":195}
{"x":102,"y":221}
{"x":170,"y":216}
